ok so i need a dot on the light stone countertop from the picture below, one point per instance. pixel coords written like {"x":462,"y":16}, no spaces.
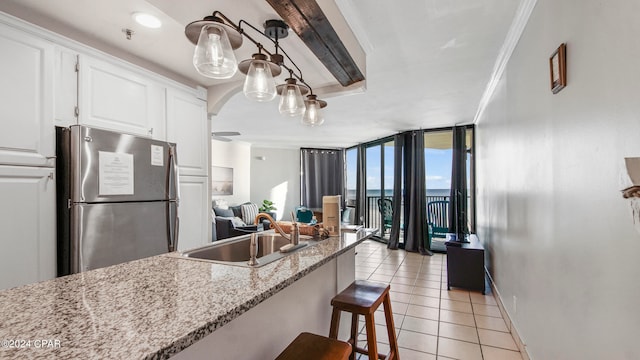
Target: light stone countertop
{"x":145,"y":309}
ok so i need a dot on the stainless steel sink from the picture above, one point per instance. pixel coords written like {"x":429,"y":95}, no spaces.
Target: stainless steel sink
{"x":236,"y":251}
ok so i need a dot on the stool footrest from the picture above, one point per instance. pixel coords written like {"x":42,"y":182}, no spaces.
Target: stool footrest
{"x":366,"y":352}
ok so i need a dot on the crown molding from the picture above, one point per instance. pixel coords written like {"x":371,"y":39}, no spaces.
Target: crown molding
{"x":523,"y":13}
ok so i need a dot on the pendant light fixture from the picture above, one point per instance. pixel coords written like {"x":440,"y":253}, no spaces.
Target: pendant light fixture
{"x":313,"y":114}
{"x":216,"y":37}
{"x":259,"y":84}
{"x":213,"y":56}
{"x":291,"y":101}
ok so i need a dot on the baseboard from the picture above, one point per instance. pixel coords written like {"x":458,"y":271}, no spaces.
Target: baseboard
{"x":522,"y":346}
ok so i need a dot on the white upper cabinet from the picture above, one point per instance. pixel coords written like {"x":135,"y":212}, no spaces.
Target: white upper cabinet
{"x":26,"y":73}
{"x":116,"y":98}
{"x":28,"y":223}
{"x":65,"y":85}
{"x":187,"y":126}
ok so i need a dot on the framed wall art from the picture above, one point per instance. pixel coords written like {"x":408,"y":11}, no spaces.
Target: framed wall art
{"x":558,"y":68}
{"x":221,"y":180}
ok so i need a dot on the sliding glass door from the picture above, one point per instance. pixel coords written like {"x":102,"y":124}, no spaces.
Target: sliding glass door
{"x":379,"y":185}
{"x":373,"y":186}
{"x":351,"y":181}
{"x":438,"y":155}
{"x":439,"y":163}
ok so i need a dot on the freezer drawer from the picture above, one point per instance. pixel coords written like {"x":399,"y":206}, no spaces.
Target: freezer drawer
{"x":113,"y":233}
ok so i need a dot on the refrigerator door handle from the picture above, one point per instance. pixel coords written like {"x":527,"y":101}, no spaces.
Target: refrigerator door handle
{"x":173,"y":225}
{"x":174,"y":245}
{"x":176,"y":173}
{"x":175,"y":180}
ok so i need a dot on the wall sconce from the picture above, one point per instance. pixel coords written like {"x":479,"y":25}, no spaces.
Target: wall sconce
{"x":633,"y":191}
{"x":216,"y":37}
{"x":633,"y":170}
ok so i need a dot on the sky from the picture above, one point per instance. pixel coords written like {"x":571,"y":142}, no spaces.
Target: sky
{"x":438,"y":168}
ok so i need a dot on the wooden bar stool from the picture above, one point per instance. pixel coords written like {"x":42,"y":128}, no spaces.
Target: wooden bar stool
{"x":315,"y":347}
{"x":364,"y":298}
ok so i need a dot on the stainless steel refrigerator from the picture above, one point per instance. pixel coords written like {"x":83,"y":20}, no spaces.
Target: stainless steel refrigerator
{"x":117,"y":198}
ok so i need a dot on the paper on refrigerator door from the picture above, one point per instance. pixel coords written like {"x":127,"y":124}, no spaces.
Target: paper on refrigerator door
{"x":115,"y":173}
{"x":157,"y":155}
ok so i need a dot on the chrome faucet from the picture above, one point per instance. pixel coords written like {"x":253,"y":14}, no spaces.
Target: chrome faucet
{"x":295,"y":231}
{"x":294,"y":237}
{"x":253,"y":250}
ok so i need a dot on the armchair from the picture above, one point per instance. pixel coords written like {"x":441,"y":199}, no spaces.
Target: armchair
{"x":228,"y":225}
{"x":237,"y":220}
{"x":225,"y":228}
{"x":385,"y":206}
{"x":438,"y":218}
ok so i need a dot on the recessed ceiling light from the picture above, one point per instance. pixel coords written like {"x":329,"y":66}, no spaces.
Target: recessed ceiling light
{"x":146,"y":20}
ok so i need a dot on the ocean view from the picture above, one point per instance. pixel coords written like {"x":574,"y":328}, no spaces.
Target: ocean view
{"x":351,"y":193}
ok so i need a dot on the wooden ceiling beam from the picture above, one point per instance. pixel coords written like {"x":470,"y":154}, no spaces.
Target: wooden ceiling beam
{"x":312,"y":26}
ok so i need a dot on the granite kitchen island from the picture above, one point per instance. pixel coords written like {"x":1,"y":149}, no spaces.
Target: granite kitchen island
{"x":155,"y":308}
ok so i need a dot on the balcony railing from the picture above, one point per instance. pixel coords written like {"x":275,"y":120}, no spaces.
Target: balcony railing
{"x":373,"y":219}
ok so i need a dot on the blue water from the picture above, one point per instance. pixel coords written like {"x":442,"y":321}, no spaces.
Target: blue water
{"x":351,"y":193}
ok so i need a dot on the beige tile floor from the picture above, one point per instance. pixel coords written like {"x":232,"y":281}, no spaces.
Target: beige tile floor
{"x":432,"y":322}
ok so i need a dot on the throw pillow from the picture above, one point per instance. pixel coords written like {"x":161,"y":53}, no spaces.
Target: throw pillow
{"x":237,"y":222}
{"x":223,"y":212}
{"x":222,"y":204}
{"x":249,"y":212}
{"x":236,"y":210}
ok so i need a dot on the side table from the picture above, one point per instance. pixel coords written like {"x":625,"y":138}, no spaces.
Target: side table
{"x":465,"y":265}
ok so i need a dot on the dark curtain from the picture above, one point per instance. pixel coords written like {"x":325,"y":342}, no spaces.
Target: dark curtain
{"x":415,"y":203}
{"x":458,"y":196}
{"x":361,"y":196}
{"x":322,"y":173}
{"x":394,"y":236}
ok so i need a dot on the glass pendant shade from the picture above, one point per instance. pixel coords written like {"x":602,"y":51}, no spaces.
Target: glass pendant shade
{"x":259,"y":84}
{"x":291,"y":102}
{"x":214,"y":56}
{"x":313,"y":114}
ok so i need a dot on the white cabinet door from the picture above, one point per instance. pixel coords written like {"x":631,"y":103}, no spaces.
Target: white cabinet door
{"x":194,"y":212}
{"x":187,"y":126}
{"x":26,"y":111}
{"x":116,"y":98}
{"x":65,"y":85}
{"x":27,"y":220}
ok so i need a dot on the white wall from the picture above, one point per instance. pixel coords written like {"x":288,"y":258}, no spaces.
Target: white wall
{"x":276,"y":178}
{"x":236,"y":155}
{"x":560,"y":237}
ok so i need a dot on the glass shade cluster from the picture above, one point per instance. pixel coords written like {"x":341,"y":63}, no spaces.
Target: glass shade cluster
{"x":214,"y":57}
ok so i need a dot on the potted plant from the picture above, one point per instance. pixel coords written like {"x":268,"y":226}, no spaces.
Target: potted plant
{"x":267,"y":206}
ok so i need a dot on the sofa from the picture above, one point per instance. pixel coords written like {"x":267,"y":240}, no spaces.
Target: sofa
{"x":236,"y":220}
